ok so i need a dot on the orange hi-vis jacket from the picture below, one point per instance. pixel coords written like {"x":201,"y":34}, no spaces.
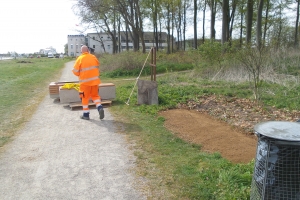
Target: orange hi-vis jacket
{"x":87,"y":69}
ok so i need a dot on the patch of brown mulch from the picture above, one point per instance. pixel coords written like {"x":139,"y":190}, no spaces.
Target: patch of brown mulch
{"x":23,"y":61}
{"x":224,"y":125}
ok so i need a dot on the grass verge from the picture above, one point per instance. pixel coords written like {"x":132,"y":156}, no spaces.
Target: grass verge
{"x":24,"y":83}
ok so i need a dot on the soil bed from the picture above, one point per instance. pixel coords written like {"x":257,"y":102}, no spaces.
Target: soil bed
{"x":223,"y":125}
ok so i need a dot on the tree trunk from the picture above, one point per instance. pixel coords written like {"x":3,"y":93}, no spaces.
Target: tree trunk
{"x":195,"y":24}
{"x":297,"y":22}
{"x":258,"y":24}
{"x":203,"y":24}
{"x":212,"y":6}
{"x":231,"y":19}
{"x":225,"y":20}
{"x":179,"y":38}
{"x":139,"y":26}
{"x":184,"y":24}
{"x":114,"y":35}
{"x":249,"y":18}
{"x":172,"y":19}
{"x":266,"y":21}
{"x":126,"y":32}
{"x":168,"y":29}
{"x":241,"y":28}
{"x":119,"y":33}
{"x":155,"y":25}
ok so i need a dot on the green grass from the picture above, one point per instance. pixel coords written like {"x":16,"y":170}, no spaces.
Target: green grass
{"x":23,"y":83}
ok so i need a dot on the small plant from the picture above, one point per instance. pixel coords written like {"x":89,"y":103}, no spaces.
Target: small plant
{"x":253,"y":60}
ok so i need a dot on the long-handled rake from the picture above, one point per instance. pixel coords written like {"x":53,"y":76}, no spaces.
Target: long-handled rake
{"x":127,"y":103}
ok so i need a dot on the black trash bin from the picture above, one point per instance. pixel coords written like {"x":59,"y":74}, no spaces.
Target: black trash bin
{"x":277,"y":166}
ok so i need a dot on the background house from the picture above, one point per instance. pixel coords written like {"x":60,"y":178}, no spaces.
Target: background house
{"x":74,"y":44}
{"x":99,"y":42}
{"x":149,"y":40}
{"x":102,"y":43}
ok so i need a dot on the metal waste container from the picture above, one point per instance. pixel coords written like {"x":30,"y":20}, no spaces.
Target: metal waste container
{"x":277,"y":166}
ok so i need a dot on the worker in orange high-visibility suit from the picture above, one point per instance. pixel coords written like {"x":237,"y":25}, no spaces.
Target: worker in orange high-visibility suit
{"x":86,"y":68}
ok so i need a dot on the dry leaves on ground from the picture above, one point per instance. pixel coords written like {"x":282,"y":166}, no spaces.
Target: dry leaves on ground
{"x":240,"y":113}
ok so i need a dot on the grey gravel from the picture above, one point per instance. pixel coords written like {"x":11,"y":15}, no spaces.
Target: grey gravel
{"x":60,"y":156}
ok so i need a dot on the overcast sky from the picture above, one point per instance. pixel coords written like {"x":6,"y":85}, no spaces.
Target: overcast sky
{"x":26,"y":26}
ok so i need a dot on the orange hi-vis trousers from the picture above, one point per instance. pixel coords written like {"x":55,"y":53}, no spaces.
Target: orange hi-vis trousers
{"x":86,"y":93}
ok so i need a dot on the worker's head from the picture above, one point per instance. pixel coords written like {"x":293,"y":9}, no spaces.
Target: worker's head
{"x":84,"y":49}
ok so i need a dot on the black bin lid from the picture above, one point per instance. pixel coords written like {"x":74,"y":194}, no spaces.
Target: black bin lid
{"x":281,"y":130}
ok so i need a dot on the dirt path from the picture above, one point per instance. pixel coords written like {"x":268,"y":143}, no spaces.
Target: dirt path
{"x":212,"y":134}
{"x":60,"y":156}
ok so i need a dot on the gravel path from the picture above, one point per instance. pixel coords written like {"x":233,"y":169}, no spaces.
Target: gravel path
{"x":60,"y":156}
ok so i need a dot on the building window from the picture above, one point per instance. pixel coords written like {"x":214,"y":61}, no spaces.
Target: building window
{"x":108,"y":46}
{"x":93,"y":38}
{"x":94,"y":46}
{"x":76,"y":46}
{"x":71,"y":46}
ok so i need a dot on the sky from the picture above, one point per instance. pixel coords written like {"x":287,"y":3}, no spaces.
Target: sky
{"x":26,"y":26}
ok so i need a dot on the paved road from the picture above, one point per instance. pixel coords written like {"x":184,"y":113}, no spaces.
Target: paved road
{"x":60,"y":156}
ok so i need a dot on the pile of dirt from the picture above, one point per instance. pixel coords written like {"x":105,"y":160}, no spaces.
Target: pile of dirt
{"x":24,"y":61}
{"x":223,"y":125}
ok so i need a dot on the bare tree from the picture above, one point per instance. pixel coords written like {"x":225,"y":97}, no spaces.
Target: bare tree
{"x":253,"y":59}
{"x":92,"y":13}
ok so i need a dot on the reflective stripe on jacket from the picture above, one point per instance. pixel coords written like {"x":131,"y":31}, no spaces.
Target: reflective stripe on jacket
{"x":87,"y":69}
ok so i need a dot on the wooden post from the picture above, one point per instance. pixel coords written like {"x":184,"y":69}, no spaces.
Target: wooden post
{"x":153,"y":64}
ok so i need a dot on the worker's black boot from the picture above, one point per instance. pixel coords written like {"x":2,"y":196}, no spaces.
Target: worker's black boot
{"x":101,"y":112}
{"x":85,"y":116}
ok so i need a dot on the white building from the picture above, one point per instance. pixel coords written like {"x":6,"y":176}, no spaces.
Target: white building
{"x":102,"y":43}
{"x":148,"y":38}
{"x":99,"y":42}
{"x":74,"y":44}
